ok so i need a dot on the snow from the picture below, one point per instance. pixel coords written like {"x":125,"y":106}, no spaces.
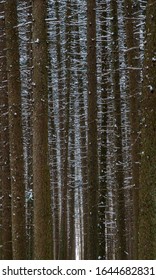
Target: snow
{"x":37,"y":41}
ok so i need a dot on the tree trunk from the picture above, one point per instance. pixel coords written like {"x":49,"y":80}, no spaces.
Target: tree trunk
{"x":41,"y":180}
{"x":6,"y":226}
{"x":61,"y":129}
{"x":29,"y":206}
{"x":71,"y":193}
{"x":147,"y":194}
{"x":121,"y":219}
{"x":92,"y":130}
{"x":103,"y":155}
{"x":133,"y":90}
{"x":15,"y":132}
{"x":83,"y":133}
{"x":64,"y":234}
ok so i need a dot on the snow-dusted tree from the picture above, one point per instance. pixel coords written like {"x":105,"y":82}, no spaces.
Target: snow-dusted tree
{"x":6,"y":226}
{"x":133,"y":61}
{"x":28,"y":82}
{"x":64,"y":233}
{"x":119,"y":172}
{"x":15,"y":132}
{"x":93,"y":180}
{"x":147,"y":193}
{"x":61,"y":133}
{"x":103,"y":143}
{"x":41,"y":180}
{"x":78,"y":54}
{"x":25,"y":46}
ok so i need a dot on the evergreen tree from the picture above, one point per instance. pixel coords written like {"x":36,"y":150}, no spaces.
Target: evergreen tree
{"x":15,"y":132}
{"x":41,"y":180}
{"x":147,"y":194}
{"x":93,"y":180}
{"x":6,"y":227}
